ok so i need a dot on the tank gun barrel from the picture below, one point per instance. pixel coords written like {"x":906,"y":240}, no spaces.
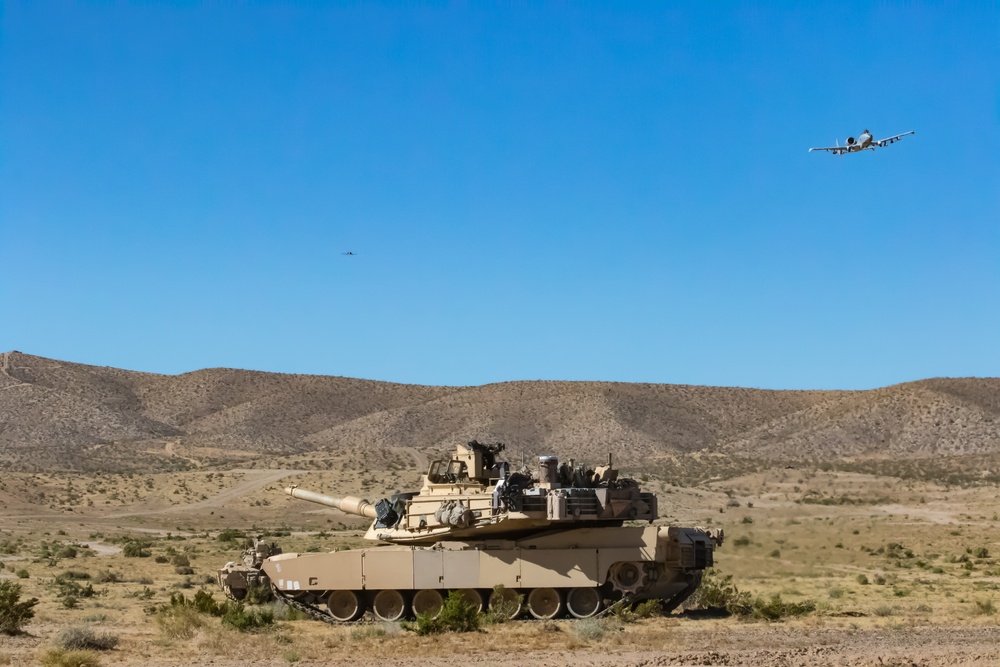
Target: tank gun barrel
{"x":348,"y":504}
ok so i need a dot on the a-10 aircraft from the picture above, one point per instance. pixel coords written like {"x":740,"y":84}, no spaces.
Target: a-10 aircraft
{"x":864,"y":142}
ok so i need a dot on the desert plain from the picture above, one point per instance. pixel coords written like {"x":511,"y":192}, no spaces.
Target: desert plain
{"x":878,"y":509}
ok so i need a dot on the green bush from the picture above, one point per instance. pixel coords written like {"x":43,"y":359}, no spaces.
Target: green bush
{"x":775,"y":608}
{"x":863,"y":579}
{"x":504,"y":611}
{"x":718,"y":593}
{"x":648,"y":609}
{"x":84,"y":638}
{"x":230,"y":535}
{"x":178,"y":614}
{"x":136,"y":549}
{"x":14,"y":613}
{"x":235,"y":615}
{"x":22,"y":574}
{"x":457,"y":615}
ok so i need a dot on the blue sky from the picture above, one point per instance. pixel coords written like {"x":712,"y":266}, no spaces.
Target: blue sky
{"x":617,"y":191}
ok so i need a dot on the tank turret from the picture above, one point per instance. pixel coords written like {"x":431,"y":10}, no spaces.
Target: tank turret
{"x":475,"y":494}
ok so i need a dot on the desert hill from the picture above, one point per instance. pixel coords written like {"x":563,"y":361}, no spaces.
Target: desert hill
{"x":60,"y":415}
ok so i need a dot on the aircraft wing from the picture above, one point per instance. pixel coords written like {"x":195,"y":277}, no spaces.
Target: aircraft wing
{"x":891,"y":140}
{"x":833,"y":149}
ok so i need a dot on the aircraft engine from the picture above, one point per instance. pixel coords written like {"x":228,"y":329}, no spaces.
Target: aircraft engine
{"x":850,"y":141}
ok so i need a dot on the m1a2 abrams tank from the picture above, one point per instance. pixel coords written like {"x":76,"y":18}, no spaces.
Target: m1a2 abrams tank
{"x":546,"y":542}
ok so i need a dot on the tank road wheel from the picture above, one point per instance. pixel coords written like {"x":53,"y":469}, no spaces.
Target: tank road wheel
{"x":429,"y":602}
{"x":473,"y":597}
{"x":389,"y":605}
{"x":584,"y":602}
{"x":545,"y":603}
{"x":508,"y":602}
{"x":345,"y":606}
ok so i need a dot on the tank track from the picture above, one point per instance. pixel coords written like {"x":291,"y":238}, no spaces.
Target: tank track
{"x":312,"y":611}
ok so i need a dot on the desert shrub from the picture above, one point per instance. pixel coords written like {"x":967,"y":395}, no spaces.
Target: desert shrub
{"x":746,"y":519}
{"x":184,"y":570}
{"x":863,"y":579}
{"x":879,"y":580}
{"x":741,"y":541}
{"x":362,"y":632}
{"x":106,"y":577}
{"x":70,"y":591}
{"x":981,"y":552}
{"x":774,"y":554}
{"x":376,"y":631}
{"x":836,"y":592}
{"x":180,"y":560}
{"x":501,"y":613}
{"x":161,"y":559}
{"x":230,"y":535}
{"x":85,"y":638}
{"x":284,"y":612}
{"x":774,"y":608}
{"x":457,"y":615}
{"x":66,"y":552}
{"x":136,"y":549}
{"x":648,"y":609}
{"x":235,"y":615}
{"x":14,"y":613}
{"x":180,"y":609}
{"x":178,"y":622}
{"x":884,"y":610}
{"x":717,"y":593}
{"x":58,"y":657}
{"x":74,"y":574}
{"x":984,"y":608}
{"x":22,"y":574}
{"x":256,"y":593}
{"x":590,"y":629}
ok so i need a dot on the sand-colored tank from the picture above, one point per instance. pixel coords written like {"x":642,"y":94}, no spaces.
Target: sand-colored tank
{"x":548,"y":542}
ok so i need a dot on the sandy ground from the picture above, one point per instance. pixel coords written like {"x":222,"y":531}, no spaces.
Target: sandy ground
{"x":757,"y":645}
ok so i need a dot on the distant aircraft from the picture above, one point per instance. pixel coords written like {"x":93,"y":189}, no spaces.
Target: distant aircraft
{"x":865,"y":141}
{"x":349,"y":252}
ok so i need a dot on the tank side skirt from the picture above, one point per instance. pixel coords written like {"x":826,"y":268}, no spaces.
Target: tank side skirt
{"x":443,"y":569}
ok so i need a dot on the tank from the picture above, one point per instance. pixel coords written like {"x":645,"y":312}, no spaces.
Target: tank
{"x":560,"y":539}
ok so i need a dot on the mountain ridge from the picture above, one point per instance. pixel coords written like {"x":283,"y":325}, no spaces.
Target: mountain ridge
{"x":57,"y":415}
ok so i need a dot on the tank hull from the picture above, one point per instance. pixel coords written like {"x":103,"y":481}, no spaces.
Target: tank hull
{"x":637,"y":562}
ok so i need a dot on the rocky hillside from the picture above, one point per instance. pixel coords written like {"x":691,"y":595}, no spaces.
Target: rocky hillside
{"x":60,"y":415}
